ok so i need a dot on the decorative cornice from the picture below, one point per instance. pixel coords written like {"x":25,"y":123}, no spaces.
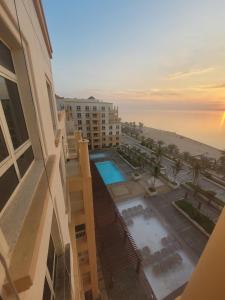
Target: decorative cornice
{"x":41,"y":17}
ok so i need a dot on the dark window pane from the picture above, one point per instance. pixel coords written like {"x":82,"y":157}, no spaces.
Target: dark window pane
{"x":47,"y":291}
{"x":11,"y":104}
{"x":25,"y":160}
{"x":8,"y":183}
{"x":6,"y":57}
{"x":3,"y":150}
{"x":80,"y":227}
{"x":51,"y":255}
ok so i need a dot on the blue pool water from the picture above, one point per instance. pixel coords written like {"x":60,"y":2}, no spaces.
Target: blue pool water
{"x":109,"y":172}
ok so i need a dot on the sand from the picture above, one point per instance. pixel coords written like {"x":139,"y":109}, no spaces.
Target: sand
{"x":183,"y":143}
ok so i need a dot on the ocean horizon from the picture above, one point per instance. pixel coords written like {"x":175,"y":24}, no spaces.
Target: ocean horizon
{"x":205,"y":126}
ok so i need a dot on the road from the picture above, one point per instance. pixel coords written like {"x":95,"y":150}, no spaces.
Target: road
{"x":184,"y":175}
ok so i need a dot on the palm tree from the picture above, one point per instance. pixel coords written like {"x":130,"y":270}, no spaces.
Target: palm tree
{"x":196,"y":170}
{"x":159,"y":153}
{"x":150,"y":143}
{"x":186,"y":155}
{"x":155,"y":171}
{"x":176,"y":168}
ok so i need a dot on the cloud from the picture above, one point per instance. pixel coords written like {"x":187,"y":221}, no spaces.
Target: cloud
{"x":189,"y":73}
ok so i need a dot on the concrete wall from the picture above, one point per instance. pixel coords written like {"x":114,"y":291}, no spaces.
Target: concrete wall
{"x":33,"y":69}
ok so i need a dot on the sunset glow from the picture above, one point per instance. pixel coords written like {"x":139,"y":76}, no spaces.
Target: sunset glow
{"x":222,"y":120}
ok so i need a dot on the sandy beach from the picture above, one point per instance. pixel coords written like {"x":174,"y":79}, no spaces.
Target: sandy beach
{"x":183,"y":143}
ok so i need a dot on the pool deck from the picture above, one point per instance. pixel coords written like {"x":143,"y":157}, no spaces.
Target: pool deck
{"x":165,"y":270}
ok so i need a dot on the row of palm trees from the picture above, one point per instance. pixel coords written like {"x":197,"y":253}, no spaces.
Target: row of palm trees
{"x":150,"y":162}
{"x":171,"y":150}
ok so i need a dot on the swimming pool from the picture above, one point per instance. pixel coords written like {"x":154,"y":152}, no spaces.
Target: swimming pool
{"x":109,"y":172}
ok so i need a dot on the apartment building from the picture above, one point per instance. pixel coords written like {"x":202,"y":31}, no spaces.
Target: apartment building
{"x":97,"y":120}
{"x":47,"y":239}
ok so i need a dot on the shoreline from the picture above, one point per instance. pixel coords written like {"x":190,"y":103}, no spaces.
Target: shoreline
{"x":184,"y":143}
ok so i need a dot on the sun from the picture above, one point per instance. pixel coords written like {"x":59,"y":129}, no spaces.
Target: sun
{"x":222,"y":120}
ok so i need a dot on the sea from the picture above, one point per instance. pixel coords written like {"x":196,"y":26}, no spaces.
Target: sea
{"x":207,"y":127}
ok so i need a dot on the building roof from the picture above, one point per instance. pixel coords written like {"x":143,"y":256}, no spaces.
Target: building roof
{"x":76,"y":100}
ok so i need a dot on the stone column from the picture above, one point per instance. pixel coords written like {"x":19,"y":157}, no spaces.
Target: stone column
{"x":89,"y":214}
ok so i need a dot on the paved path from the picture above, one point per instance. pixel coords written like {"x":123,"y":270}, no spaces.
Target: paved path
{"x":191,"y":237}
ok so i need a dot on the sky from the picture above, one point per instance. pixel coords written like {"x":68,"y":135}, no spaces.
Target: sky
{"x":166,"y":53}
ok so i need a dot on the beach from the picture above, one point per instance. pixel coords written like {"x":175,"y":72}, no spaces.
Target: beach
{"x":183,"y":143}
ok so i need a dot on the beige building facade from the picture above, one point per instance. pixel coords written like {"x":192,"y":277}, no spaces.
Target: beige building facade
{"x":98,"y":121}
{"x":41,"y":252}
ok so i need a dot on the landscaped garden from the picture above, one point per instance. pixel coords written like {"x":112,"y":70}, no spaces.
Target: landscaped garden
{"x":196,"y":215}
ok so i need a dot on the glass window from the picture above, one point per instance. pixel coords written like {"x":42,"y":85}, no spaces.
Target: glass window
{"x":25,"y":160}
{"x":3,"y":149}
{"x":12,"y":108}
{"x":8,"y":182}
{"x":6,"y":57}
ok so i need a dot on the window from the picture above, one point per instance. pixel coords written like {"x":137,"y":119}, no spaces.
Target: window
{"x":12,"y":108}
{"x":78,"y":107}
{"x":95,"y":122}
{"x":110,"y":139}
{"x":110,"y":127}
{"x":88,"y":134}
{"x":87,"y":115}
{"x":16,"y":153}
{"x":117,"y":138}
{"x":103,"y":145}
{"x":103,"y":121}
{"x":103,"y":115}
{"x":3,"y":149}
{"x":79,"y":115}
{"x":94,"y":115}
{"x":103,"y":108}
{"x":110,"y":133}
{"x":103,"y":133}
{"x":117,"y":132}
{"x":48,"y":292}
{"x":25,"y":160}
{"x":94,"y":107}
{"x":79,"y":122}
{"x":95,"y":134}
{"x":87,"y":122}
{"x":86,"y":107}
{"x":80,"y":231}
{"x":88,"y":128}
{"x":103,"y":127}
{"x":80,"y":128}
{"x":51,"y":104}
{"x":117,"y":126}
{"x":95,"y":128}
{"x":6,"y":58}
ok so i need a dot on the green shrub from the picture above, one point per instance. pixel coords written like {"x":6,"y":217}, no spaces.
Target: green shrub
{"x":196,"y":215}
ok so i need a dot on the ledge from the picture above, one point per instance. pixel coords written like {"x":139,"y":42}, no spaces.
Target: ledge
{"x":24,"y":257}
